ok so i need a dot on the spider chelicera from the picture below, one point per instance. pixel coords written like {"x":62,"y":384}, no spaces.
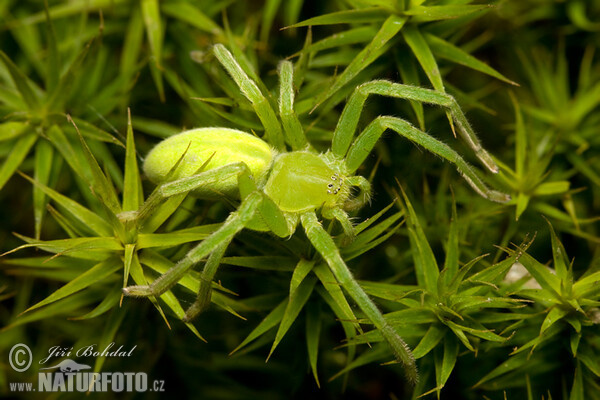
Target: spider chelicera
{"x":279,"y":189}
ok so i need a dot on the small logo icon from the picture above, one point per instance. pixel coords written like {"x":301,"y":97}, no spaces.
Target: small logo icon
{"x":69,"y":366}
{"x":20,"y":357}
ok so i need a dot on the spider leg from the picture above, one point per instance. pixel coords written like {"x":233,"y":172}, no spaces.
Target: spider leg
{"x":206,"y":278}
{"x":188,"y":184}
{"x":342,"y":217}
{"x":324,"y":244}
{"x":251,"y":91}
{"x":365,"y":142}
{"x":234,"y":223}
{"x":346,"y":127}
{"x":291,"y":125}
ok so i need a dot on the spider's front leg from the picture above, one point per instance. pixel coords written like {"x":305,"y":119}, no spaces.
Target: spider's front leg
{"x":325,"y":245}
{"x":355,"y":153}
{"x":366,"y":141}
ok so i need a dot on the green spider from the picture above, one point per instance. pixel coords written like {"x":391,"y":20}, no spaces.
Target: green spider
{"x":280,"y":189}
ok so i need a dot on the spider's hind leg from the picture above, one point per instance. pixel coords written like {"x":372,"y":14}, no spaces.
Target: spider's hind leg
{"x":234,"y":223}
{"x":206,"y":278}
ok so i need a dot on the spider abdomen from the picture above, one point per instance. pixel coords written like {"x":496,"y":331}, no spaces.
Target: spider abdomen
{"x":301,"y":181}
{"x":216,"y":147}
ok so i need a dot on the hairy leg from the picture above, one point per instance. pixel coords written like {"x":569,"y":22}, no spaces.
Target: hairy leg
{"x":324,"y":244}
{"x":363,"y":146}
{"x":348,"y":121}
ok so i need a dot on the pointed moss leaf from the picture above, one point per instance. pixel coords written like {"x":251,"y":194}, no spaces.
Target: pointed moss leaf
{"x":479,"y":331}
{"x":375,"y":354}
{"x":17,"y":154}
{"x":90,"y":131}
{"x":362,"y":240}
{"x":154,"y":31}
{"x":411,"y":317}
{"x":335,"y":291}
{"x":460,"y":334}
{"x":574,"y":321}
{"x":133,"y":195}
{"x":388,"y":291}
{"x":76,"y":247}
{"x":23,"y":84}
{"x":370,"y":221}
{"x":447,"y":50}
{"x":297,"y":301}
{"x":268,"y":15}
{"x":426,"y":267}
{"x":559,"y":254}
{"x":109,"y":301}
{"x":82,"y":214}
{"x":410,"y":76}
{"x":301,"y":270}
{"x":434,"y":335}
{"x":134,"y":37}
{"x":228,"y":304}
{"x":509,"y":365}
{"x":542,"y":275}
{"x":451,"y":262}
{"x":574,"y":341}
{"x":422,"y":52}
{"x":313,"y":333}
{"x":43,"y":166}
{"x":59,"y":96}
{"x":555,"y":315}
{"x":351,"y":36}
{"x":68,"y":9}
{"x":578,"y":388}
{"x":270,"y":321}
{"x":11,"y":129}
{"x":147,"y":240}
{"x":370,"y":53}
{"x":345,"y":17}
{"x":275,"y":263}
{"x":444,"y":367}
{"x":89,"y":277}
{"x":496,"y":272}
{"x":63,"y":145}
{"x":44,"y":262}
{"x":190,"y":14}
{"x":63,"y":307}
{"x":113,"y":323}
{"x":154,"y":127}
{"x":550,"y":188}
{"x":349,"y":327}
{"x":476,"y":303}
{"x":436,"y":13}
{"x":137,"y":273}
{"x":374,"y":243}
{"x":459,"y":277}
{"x":591,"y":361}
{"x":127,"y":258}
{"x":171,"y":301}
{"x":53,"y":62}
{"x":162,"y":212}
{"x":100,"y":184}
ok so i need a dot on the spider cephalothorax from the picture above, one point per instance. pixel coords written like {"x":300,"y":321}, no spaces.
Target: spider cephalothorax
{"x":279,"y":189}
